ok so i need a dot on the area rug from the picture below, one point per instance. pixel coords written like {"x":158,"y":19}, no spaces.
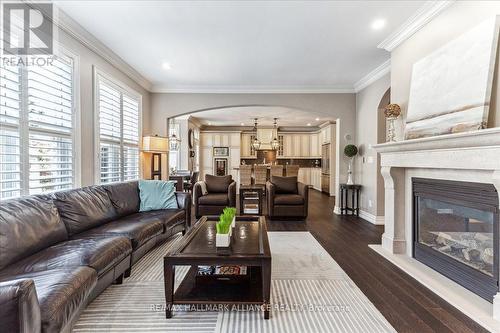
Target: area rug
{"x":309,"y":293}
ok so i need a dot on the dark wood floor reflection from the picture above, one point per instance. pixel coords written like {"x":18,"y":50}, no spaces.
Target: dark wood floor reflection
{"x":407,"y":305}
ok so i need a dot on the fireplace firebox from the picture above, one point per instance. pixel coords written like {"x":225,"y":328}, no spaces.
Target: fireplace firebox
{"x":456,"y":232}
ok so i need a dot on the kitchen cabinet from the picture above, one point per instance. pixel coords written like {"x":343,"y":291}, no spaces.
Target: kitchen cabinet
{"x":305,"y":142}
{"x":315,"y":145}
{"x":296,"y":145}
{"x":316,"y":178}
{"x":292,"y":145}
{"x":287,"y":146}
{"x":246,"y":150}
{"x":326,"y":134}
{"x":311,"y":177}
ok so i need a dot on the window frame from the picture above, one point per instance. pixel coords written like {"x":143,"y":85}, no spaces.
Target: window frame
{"x":102,"y":76}
{"x":24,"y":129}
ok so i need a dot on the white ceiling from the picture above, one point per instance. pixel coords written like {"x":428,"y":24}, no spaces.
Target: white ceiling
{"x":245,"y":45}
{"x":234,"y":116}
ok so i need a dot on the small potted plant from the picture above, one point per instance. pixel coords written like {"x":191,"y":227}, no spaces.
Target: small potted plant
{"x":350,"y":151}
{"x":224,"y":228}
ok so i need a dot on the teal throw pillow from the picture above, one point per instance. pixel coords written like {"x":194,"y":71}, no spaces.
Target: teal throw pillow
{"x":157,"y":194}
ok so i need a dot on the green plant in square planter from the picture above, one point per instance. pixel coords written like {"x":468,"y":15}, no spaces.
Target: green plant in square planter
{"x":224,"y":227}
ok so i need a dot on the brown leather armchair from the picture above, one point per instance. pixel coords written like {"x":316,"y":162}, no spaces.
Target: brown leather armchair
{"x":220,"y":193}
{"x":286,"y":197}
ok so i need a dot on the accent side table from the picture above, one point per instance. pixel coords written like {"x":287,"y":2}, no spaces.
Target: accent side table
{"x":344,"y":194}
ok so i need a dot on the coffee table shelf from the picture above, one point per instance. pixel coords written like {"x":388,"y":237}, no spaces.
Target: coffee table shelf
{"x":220,"y":289}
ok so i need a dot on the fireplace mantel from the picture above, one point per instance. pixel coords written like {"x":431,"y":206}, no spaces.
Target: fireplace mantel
{"x":471,"y":156}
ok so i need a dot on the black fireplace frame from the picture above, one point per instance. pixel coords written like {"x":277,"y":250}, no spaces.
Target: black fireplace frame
{"x":474,"y":195}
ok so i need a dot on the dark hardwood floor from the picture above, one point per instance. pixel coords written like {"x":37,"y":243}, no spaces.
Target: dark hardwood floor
{"x":404,"y":302}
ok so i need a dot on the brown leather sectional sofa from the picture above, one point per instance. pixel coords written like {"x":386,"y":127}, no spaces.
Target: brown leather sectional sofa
{"x":59,"y":251}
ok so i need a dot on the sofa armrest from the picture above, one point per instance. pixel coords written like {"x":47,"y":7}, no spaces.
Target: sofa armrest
{"x":270,"y":190}
{"x":20,"y":311}
{"x":231,"y":193}
{"x":184,"y":202}
{"x":304,"y":192}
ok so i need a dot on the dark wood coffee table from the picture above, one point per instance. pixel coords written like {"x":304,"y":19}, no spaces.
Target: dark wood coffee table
{"x":249,"y":247}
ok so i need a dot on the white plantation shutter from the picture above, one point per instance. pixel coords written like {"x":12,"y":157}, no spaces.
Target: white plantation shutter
{"x":50,"y":121}
{"x":10,"y":152}
{"x":118,"y":133}
{"x":37,"y":128}
{"x":130,"y":138}
{"x":110,"y":133}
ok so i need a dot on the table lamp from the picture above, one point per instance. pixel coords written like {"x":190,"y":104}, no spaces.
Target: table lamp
{"x":156,"y":145}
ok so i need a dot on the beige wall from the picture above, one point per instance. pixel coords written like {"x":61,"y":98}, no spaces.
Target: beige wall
{"x":87,"y":61}
{"x":341,"y":107}
{"x":369,"y":130}
{"x":454,"y":21}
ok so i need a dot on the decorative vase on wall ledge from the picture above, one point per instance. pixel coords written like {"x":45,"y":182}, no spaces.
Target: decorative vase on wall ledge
{"x":392,"y":112}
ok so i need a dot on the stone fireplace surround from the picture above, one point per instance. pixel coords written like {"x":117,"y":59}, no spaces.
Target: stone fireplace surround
{"x":471,"y":156}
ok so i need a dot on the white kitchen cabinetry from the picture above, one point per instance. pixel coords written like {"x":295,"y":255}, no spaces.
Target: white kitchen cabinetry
{"x":315,"y":150}
{"x":301,"y":145}
{"x":326,"y":134}
{"x":305,"y":142}
{"x":296,"y":145}
{"x":316,"y":178}
{"x":311,"y":177}
{"x":246,"y":142}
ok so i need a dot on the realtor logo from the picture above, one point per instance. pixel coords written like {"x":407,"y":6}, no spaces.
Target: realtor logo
{"x":27,"y":29}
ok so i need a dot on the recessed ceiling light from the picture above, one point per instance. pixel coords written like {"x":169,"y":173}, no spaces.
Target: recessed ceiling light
{"x":308,"y":124}
{"x":166,"y":66}
{"x":242,"y":124}
{"x":378,"y":24}
{"x":317,"y":119}
{"x":209,"y":123}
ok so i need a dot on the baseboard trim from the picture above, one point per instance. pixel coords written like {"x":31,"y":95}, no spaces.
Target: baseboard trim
{"x":373,"y":219}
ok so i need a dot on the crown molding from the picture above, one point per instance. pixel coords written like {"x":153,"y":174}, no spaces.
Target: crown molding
{"x":252,"y":90}
{"x":373,"y":76}
{"x":75,"y":30}
{"x":423,"y":16}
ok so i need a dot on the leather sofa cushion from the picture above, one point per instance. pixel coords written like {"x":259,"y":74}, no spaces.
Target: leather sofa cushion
{"x":218,"y":184}
{"x":288,"y":199}
{"x":214,"y":199}
{"x":61,"y":293}
{"x":84,"y":208}
{"x":170,"y":217}
{"x":27,"y":225}
{"x":124,"y":196}
{"x":99,"y":253}
{"x":139,"y":228}
{"x":285,"y":185}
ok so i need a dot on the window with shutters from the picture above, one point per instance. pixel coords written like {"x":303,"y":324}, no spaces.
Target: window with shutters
{"x":119,"y":131}
{"x":37,"y":122}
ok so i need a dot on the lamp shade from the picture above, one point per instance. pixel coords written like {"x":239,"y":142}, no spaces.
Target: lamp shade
{"x":155,"y":144}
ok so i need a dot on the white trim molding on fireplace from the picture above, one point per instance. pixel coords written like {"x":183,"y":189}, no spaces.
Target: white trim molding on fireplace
{"x":472,"y":157}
